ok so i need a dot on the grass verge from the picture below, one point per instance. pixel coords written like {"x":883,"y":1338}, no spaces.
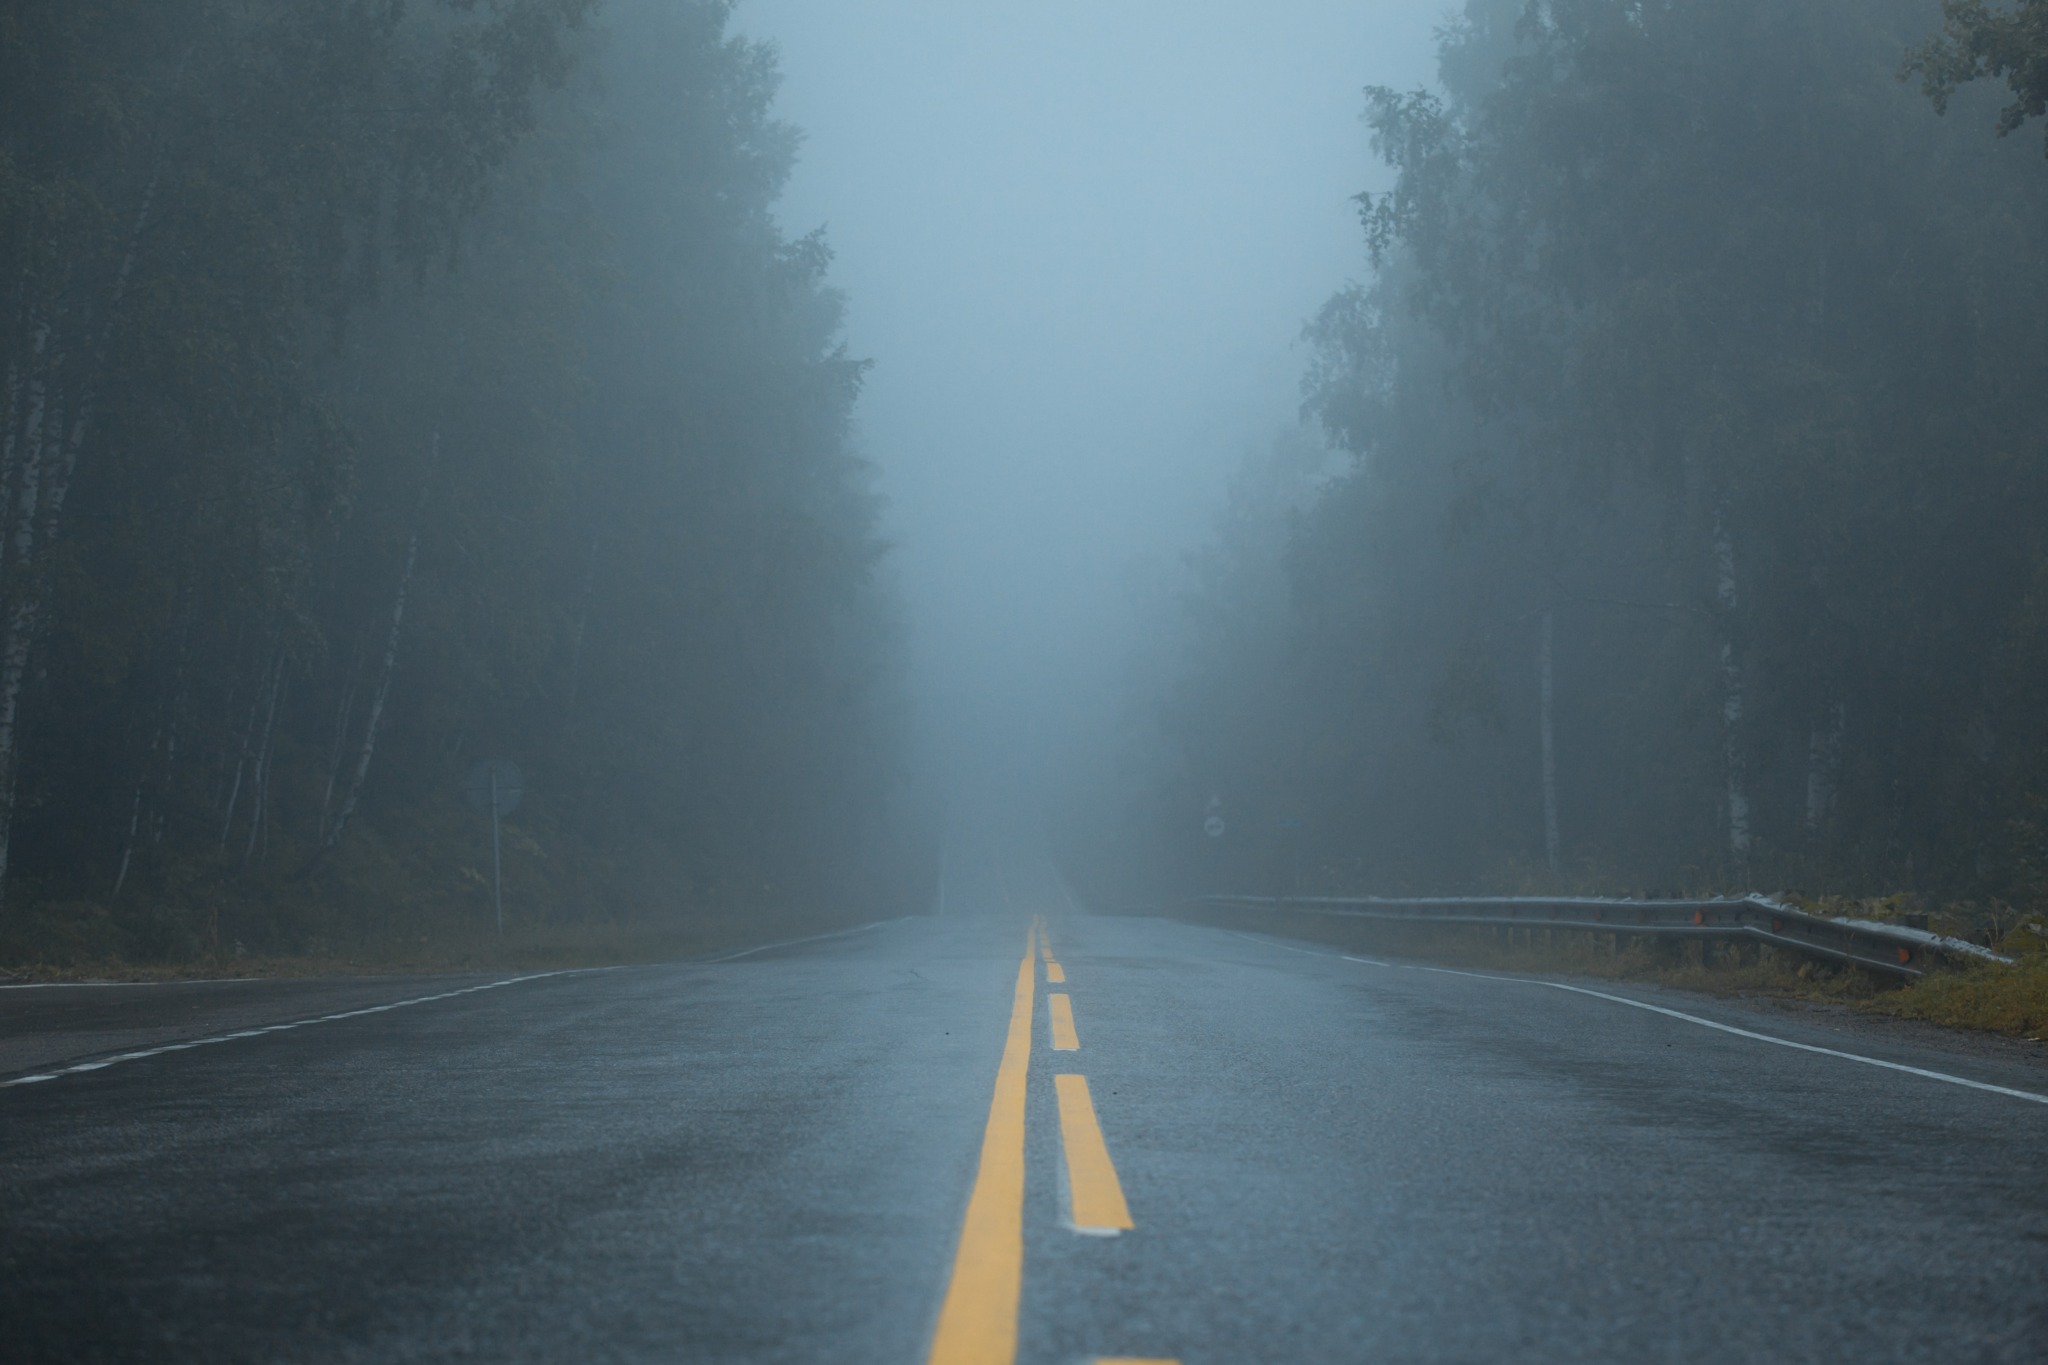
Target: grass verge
{"x":527,"y":947}
{"x":1988,"y":998}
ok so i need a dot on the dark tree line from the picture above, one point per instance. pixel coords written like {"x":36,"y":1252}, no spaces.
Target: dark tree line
{"x":1692,"y":529}
{"x":391,"y":386}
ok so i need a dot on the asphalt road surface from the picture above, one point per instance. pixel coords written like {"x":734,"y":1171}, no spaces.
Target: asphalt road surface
{"x":861,"y":1148}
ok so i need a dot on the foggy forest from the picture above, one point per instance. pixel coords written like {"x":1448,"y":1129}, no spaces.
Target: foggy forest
{"x":391,"y":388}
{"x":1023,"y":682}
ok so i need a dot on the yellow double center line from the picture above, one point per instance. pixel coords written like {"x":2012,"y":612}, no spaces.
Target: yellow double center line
{"x":978,"y":1320}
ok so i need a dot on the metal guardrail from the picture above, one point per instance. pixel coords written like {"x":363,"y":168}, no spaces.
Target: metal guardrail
{"x":1894,"y":948}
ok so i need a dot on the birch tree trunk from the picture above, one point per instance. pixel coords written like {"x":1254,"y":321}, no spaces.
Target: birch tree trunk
{"x":383,"y":692}
{"x":24,"y":614}
{"x":582,"y":620}
{"x":378,"y":698}
{"x":1545,"y":655}
{"x":24,"y":611}
{"x":343,"y":716}
{"x":1737,"y":793}
{"x":1823,"y":765}
{"x":242,"y":758}
{"x":25,"y":401}
{"x":135,"y":814}
{"x":259,"y":798}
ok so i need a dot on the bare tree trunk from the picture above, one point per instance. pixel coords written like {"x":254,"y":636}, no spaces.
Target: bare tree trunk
{"x":383,"y":692}
{"x":582,"y":619}
{"x":259,"y":798}
{"x":1737,"y":794}
{"x":1545,"y":654}
{"x":24,"y":617}
{"x":156,"y":833}
{"x":377,"y":700}
{"x":27,"y":395}
{"x":34,"y":419}
{"x":24,"y":613}
{"x":135,"y":814}
{"x":341,"y":726}
{"x":12,"y":439}
{"x":1823,"y":765}
{"x":247,"y":752}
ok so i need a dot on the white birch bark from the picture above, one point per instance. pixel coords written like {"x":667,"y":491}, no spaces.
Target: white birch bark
{"x":582,"y":620}
{"x":23,"y":612}
{"x":1545,"y":655}
{"x":1823,"y":765}
{"x":31,"y":451}
{"x":1737,"y":794}
{"x":343,"y":716}
{"x":24,"y":615}
{"x":242,"y":757}
{"x":25,"y":398}
{"x":259,"y":798}
{"x":383,"y":692}
{"x":10,"y":433}
{"x":135,"y":814}
{"x":378,"y":698}
{"x":84,"y":406}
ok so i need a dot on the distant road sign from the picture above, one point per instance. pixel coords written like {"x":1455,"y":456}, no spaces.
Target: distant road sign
{"x":495,"y":776}
{"x":1213,"y":827}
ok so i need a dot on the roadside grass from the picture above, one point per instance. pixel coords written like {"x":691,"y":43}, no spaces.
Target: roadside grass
{"x":528,"y":947}
{"x":421,"y":904}
{"x":1988,"y":998}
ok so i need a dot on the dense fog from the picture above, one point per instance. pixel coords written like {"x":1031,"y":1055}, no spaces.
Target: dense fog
{"x":1585,"y":445}
{"x":1079,"y":242}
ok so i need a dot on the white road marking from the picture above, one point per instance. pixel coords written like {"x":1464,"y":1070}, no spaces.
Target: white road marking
{"x":1942,"y":1076}
{"x":177,"y":981}
{"x":1269,"y":943}
{"x":158,"y":1051}
{"x":789,"y":943}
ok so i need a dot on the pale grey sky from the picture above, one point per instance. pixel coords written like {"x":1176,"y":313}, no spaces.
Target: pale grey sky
{"x":1080,"y":240}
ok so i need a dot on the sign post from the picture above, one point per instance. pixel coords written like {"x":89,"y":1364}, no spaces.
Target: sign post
{"x":495,"y":785}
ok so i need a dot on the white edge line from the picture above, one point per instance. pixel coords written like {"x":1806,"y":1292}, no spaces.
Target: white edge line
{"x":1254,"y":938}
{"x":80,"y":1067}
{"x":136,"y":1056}
{"x":1805,"y":1047}
{"x":105,"y":985}
{"x":790,"y":943}
{"x":1943,"y":1076}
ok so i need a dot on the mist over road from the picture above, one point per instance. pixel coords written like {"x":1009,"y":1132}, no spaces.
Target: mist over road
{"x":769,"y":1159}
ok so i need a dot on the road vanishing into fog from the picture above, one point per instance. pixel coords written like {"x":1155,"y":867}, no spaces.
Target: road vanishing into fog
{"x":872,"y":1147}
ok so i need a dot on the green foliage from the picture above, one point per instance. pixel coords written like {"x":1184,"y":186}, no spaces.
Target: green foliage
{"x":429,"y":383}
{"x":1694,"y":331}
{"x":1978,"y":41}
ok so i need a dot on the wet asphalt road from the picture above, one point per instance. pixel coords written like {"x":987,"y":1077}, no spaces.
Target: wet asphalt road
{"x":768,"y":1159}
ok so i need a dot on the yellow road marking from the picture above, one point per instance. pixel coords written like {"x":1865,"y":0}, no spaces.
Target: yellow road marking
{"x":978,"y":1321}
{"x":1055,"y":974}
{"x":1060,"y":1012}
{"x":1098,"y":1199}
